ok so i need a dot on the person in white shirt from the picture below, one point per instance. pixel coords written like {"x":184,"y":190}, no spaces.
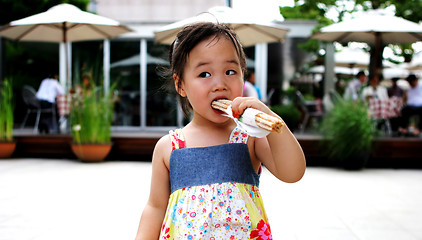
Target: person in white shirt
{"x":249,"y":89}
{"x":354,"y":87}
{"x":374,"y":90}
{"x":413,"y":100}
{"x":49,"y":89}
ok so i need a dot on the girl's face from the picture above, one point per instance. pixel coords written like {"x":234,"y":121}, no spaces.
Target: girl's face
{"x":212,"y":71}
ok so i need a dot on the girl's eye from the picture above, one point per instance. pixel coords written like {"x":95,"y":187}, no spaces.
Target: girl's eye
{"x":204,"y":75}
{"x":230,"y":72}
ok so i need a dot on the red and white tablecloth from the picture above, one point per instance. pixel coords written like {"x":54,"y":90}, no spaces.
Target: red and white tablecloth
{"x":63,"y":104}
{"x":385,"y":108}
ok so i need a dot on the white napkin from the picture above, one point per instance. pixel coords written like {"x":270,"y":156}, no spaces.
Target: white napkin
{"x":247,"y":122}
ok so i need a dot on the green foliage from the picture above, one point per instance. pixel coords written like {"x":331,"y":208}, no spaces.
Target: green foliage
{"x":309,"y":10}
{"x":6,"y":111}
{"x":16,"y":9}
{"x":410,"y":9}
{"x":347,"y":129}
{"x":312,"y":45}
{"x":289,"y":113}
{"x":36,"y":58}
{"x":296,"y":13}
{"x":316,"y":10}
{"x":91,"y":116}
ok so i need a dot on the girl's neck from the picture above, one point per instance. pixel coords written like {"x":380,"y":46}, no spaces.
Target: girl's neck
{"x":207,"y":125}
{"x":201,"y":132}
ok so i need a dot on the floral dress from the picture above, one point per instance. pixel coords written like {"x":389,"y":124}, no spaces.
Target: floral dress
{"x":214,"y":192}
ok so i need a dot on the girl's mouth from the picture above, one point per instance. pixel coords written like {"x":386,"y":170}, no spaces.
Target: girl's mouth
{"x":219,"y":106}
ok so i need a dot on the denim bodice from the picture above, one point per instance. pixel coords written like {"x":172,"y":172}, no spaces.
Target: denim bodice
{"x":207,"y":165}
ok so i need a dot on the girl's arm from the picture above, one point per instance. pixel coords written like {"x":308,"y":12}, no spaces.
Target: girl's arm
{"x":281,"y":153}
{"x":153,"y":214}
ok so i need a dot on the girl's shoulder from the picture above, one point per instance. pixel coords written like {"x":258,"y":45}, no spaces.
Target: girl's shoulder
{"x":162,"y":149}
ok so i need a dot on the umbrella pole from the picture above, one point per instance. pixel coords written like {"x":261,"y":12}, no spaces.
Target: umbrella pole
{"x":67,"y":66}
{"x":377,"y":54}
{"x":66,"y":54}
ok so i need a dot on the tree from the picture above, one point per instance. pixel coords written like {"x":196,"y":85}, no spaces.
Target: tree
{"x":408,"y":9}
{"x":16,"y":9}
{"x":19,"y":55}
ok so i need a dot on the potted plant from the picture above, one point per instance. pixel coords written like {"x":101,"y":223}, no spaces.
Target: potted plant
{"x":91,"y":115}
{"x":7,"y":145}
{"x":348,"y":132}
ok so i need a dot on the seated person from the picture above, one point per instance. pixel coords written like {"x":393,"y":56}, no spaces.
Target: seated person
{"x":49,"y":89}
{"x":395,"y":90}
{"x":374,"y":90}
{"x":413,"y":106}
{"x":354,"y":87}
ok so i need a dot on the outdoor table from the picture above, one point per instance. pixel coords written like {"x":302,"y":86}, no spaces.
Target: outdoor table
{"x":63,"y":106}
{"x":385,"y":109}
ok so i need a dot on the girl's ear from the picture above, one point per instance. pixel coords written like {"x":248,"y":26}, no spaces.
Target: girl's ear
{"x":178,"y":85}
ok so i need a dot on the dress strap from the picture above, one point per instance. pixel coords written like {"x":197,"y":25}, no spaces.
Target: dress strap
{"x":238,"y":136}
{"x":177,"y":139}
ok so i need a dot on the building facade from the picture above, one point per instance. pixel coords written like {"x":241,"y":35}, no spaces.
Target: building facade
{"x":134,"y":65}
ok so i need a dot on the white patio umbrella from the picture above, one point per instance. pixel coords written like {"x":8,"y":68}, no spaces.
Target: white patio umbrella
{"x":396,"y":70}
{"x":320,"y":69}
{"x":63,"y":23}
{"x":249,"y":31}
{"x":352,"y":58}
{"x":416,"y":62}
{"x":136,"y":60}
{"x":374,"y":28}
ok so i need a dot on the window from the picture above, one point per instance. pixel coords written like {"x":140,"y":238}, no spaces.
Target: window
{"x":161,"y":103}
{"x":125,"y":74}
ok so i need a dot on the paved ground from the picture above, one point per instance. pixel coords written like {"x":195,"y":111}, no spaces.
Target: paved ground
{"x":67,"y":200}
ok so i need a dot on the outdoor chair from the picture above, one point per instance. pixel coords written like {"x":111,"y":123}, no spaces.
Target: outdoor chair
{"x":310,"y":109}
{"x":34,"y":106}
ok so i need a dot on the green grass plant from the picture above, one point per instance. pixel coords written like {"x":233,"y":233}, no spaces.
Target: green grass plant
{"x":289,"y":113}
{"x":91,"y":116}
{"x":6,"y":111}
{"x":348,"y":130}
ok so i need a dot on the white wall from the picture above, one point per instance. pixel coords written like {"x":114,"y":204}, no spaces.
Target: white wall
{"x":147,"y":11}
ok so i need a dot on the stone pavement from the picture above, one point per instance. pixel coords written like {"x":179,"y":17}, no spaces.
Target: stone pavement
{"x":48,"y":199}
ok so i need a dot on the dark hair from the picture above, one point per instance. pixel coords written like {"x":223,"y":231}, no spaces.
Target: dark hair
{"x":411,"y":78}
{"x":360,"y":73}
{"x":372,"y":76}
{"x":187,"y":39}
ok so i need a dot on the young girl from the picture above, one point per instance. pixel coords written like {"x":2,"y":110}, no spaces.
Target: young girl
{"x":205,"y":176}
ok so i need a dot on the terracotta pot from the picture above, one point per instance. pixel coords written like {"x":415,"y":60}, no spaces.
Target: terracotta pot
{"x":7,"y":149}
{"x":91,"y":152}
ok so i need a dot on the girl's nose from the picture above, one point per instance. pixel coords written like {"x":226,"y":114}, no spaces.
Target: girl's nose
{"x":219,"y":83}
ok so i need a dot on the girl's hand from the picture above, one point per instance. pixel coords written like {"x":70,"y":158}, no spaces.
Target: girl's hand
{"x":239,"y":105}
